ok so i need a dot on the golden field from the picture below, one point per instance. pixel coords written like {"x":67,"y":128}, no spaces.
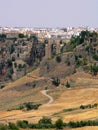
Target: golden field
{"x":84,"y":91}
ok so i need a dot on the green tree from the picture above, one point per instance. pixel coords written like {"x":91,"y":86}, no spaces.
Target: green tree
{"x":58,"y":59}
{"x":3,"y":127}
{"x":9,"y":63}
{"x":21,"y":35}
{"x":56,"y":81}
{"x":12,"y":49}
{"x":22,"y":124}
{"x":45,"y":120}
{"x":59,"y":124}
{"x":68,"y":84}
{"x":12,"y":126}
{"x":94,"y":69}
{"x":19,"y":66}
{"x":15,"y":64}
{"x":13,"y":58}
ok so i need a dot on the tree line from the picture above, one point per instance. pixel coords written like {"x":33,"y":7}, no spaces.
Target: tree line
{"x":46,"y":123}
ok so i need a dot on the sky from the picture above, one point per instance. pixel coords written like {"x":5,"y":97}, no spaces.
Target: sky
{"x":48,"y":13}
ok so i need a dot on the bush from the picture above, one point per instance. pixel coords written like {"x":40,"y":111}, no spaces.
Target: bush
{"x":21,"y":35}
{"x":82,"y":123}
{"x":45,"y":122}
{"x":95,"y":57}
{"x":58,"y":59}
{"x":74,"y":71}
{"x":88,"y":106}
{"x":59,"y":124}
{"x":22,"y":124}
{"x":12,"y":49}
{"x":12,"y":126}
{"x":15,"y":65}
{"x":19,"y":66}
{"x":13,"y":58}
{"x":24,"y":66}
{"x":56,"y":81}
{"x":68,"y":84}
{"x":2,"y":86}
{"x":94,"y":69}
{"x":72,"y":124}
{"x":30,"y":106}
{"x":9,"y":63}
{"x":82,"y":107}
{"x":3,"y":127}
{"x":32,"y":126}
{"x":68,"y":63}
{"x":21,"y":107}
{"x":11,"y":71}
{"x":78,"y":63}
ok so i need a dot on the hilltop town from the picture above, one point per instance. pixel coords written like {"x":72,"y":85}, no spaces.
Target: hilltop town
{"x":64,"y":32}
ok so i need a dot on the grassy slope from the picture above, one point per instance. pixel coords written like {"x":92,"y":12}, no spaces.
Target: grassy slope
{"x":85,"y":92}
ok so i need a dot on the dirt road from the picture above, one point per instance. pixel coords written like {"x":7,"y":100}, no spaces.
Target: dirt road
{"x":44,"y":92}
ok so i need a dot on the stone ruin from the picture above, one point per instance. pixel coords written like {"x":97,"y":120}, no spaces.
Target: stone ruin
{"x":52,"y":48}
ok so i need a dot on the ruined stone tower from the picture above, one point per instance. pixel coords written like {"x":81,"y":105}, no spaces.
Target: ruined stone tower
{"x":52,"y":44}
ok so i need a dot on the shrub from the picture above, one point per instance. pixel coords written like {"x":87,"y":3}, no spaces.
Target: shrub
{"x":2,"y":86}
{"x":30,"y":106}
{"x":12,"y":126}
{"x":13,"y":58}
{"x":59,"y":124}
{"x":22,"y":124}
{"x":68,"y":84}
{"x":74,"y":71}
{"x":24,"y":66}
{"x":19,"y":66}
{"x":68,"y":63}
{"x":69,"y":109}
{"x":9,"y":63}
{"x":82,"y":107}
{"x":11,"y":71}
{"x":15,"y":65}
{"x":95,"y":57}
{"x":72,"y":124}
{"x":21,"y":107}
{"x":31,"y":125}
{"x":88,"y":106}
{"x":21,"y":35}
{"x":12,"y":49}
{"x":56,"y":81}
{"x":3,"y":127}
{"x":58,"y":59}
{"x":45,"y":120}
{"x":94,"y":69}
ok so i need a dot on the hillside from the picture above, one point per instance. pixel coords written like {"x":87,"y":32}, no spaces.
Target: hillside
{"x":61,"y":86}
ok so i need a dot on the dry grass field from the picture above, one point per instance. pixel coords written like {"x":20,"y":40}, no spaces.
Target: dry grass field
{"x":86,"y":128}
{"x":84,"y":91}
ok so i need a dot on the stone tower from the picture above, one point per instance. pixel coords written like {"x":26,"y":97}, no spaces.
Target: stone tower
{"x":48,"y":47}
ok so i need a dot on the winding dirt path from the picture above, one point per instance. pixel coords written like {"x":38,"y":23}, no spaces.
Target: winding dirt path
{"x":44,"y":92}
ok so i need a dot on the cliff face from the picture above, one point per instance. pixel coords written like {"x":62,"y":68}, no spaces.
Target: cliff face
{"x":79,"y":55}
{"x":54,"y":57}
{"x":37,"y":52}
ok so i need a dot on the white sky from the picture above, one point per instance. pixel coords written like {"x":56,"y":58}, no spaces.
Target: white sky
{"x":48,"y":13}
